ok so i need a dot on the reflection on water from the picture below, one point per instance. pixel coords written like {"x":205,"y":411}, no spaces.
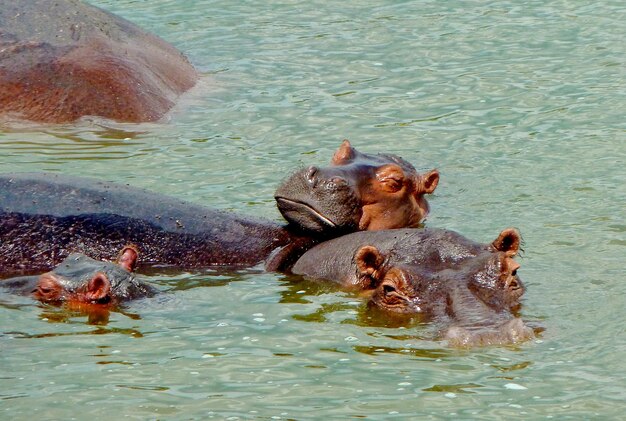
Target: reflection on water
{"x":98,"y":331}
{"x":453,"y":388}
{"x":412,"y":352}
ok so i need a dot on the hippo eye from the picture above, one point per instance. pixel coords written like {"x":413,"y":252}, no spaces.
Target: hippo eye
{"x":392,"y":184}
{"x":103,"y":300}
{"x":391,"y":177}
{"x":389,"y":289}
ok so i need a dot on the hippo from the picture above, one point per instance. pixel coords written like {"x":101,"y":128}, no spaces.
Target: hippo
{"x":470,"y":289}
{"x":64,"y":59}
{"x":44,"y":217}
{"x":367,"y":192}
{"x":80,"y":279}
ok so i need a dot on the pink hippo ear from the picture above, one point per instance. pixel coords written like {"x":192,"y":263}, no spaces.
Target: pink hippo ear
{"x":127,"y":258}
{"x":428,"y":182}
{"x":508,"y":242}
{"x":369,"y":263}
{"x":98,"y":288}
{"x":344,"y":154}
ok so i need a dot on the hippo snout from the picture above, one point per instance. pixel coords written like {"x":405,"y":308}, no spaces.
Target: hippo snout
{"x":510,"y":332}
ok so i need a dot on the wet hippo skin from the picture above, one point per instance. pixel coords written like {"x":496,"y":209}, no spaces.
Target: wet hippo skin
{"x":80,"y":279}
{"x":64,"y":59}
{"x":45,"y":217}
{"x":470,"y":289}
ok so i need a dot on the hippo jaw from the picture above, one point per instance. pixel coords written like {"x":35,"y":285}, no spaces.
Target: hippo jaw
{"x":304,"y":215}
{"x":315,"y":202}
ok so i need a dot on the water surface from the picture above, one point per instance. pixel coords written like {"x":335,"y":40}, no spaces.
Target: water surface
{"x":521,"y":108}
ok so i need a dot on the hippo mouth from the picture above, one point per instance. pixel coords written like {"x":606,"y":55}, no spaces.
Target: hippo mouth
{"x":303,"y":215}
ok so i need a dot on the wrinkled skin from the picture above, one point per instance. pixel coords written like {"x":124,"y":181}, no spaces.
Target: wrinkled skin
{"x":83,"y":61}
{"x":357,"y":191}
{"x":81,"y":280}
{"x":44,"y":217}
{"x":471,"y":289}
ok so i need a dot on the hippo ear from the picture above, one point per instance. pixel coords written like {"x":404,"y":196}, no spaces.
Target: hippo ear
{"x":429,"y":182}
{"x":508,"y":242}
{"x":127,"y":258}
{"x":98,"y":287}
{"x":368,"y":262}
{"x":344,"y":154}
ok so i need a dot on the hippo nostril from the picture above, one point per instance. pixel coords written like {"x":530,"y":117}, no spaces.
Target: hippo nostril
{"x":310,"y":174}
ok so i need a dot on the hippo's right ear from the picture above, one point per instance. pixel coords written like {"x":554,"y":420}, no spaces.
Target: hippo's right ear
{"x":428,"y":182}
{"x":369,"y":262}
{"x":508,"y":242}
{"x":127,"y":258}
{"x":344,"y":154}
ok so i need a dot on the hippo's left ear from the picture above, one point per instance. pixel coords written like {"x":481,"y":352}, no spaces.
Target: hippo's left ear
{"x":344,"y":154}
{"x":369,"y":262}
{"x":508,"y":242}
{"x":128,"y":258}
{"x":428,"y":182}
{"x":98,"y":287}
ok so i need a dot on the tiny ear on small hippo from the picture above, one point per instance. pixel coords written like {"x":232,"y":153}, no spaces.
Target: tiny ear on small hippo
{"x":368,"y":261}
{"x":98,"y":287}
{"x":429,"y":182}
{"x":343,"y":154}
{"x":508,"y":242}
{"x":127,"y":258}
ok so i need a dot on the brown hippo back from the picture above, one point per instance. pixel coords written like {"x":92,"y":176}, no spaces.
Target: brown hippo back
{"x":64,"y":59}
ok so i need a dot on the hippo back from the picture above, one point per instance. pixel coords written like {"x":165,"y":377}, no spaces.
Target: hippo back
{"x":431,"y":247}
{"x":82,"y":60}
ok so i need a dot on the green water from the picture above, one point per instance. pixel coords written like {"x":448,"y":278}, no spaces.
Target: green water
{"x":519,"y":104}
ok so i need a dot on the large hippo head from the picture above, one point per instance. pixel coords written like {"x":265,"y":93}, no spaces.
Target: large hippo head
{"x":471,"y":289}
{"x":81,"y":279}
{"x":421,"y":288}
{"x":357,"y":191}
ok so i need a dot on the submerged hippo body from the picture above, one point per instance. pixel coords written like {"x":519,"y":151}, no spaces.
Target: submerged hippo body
{"x":471,"y":289}
{"x":81,"y":279}
{"x":44,"y":217}
{"x":64,"y":59}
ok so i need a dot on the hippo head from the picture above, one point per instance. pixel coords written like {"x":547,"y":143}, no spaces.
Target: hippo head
{"x":414,"y":288}
{"x":81,"y":279}
{"x":493,"y":278}
{"x":401,"y":288}
{"x":357,"y":191}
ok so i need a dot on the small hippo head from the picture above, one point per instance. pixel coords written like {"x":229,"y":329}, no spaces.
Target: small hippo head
{"x":81,"y":279}
{"x":416,"y":288}
{"x":357,"y":191}
{"x":400,"y":288}
{"x":493,"y":278}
